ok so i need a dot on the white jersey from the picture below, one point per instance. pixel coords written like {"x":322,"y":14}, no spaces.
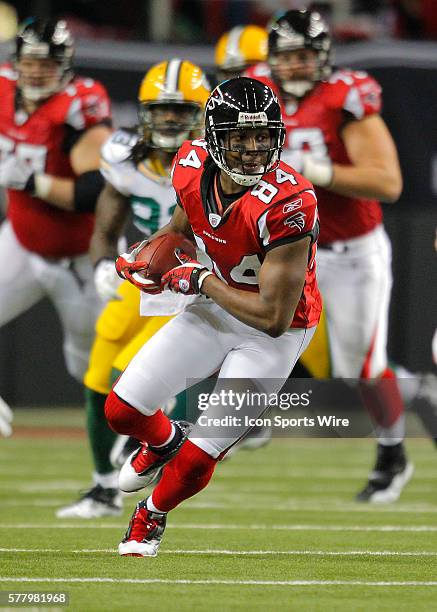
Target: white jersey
{"x":152,"y":201}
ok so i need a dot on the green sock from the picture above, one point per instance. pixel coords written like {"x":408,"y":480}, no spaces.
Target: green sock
{"x":100,"y":435}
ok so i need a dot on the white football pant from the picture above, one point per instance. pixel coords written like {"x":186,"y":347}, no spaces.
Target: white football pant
{"x":355,"y":281}
{"x":194,"y":345}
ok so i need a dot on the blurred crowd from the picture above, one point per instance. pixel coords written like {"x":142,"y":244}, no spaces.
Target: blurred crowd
{"x":203,"y":21}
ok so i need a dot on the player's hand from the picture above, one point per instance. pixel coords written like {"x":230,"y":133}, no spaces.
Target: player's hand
{"x":129,"y":269}
{"x":106,"y":279}
{"x":186,"y":278}
{"x":318,"y":170}
{"x":15,"y":173}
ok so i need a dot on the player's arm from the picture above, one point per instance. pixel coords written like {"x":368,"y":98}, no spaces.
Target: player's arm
{"x":79,"y":194}
{"x":374,"y":171}
{"x":281,"y":280}
{"x":112,"y":211}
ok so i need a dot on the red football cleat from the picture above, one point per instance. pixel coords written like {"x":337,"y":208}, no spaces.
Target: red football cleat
{"x":144,"y":465}
{"x":144,"y":534}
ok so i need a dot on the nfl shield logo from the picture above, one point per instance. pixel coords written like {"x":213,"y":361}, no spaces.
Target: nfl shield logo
{"x":214,"y":220}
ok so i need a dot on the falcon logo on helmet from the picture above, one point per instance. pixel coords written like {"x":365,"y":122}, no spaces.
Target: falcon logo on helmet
{"x":250,"y":108}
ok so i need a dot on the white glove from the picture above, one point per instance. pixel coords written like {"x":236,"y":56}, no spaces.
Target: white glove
{"x":318,"y":170}
{"x":14,"y":173}
{"x":106,"y":280}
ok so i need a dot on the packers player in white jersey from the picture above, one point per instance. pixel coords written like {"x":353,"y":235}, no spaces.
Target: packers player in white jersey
{"x":136,"y":165}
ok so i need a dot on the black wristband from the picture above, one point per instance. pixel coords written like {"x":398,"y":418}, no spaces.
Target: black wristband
{"x":87,"y":188}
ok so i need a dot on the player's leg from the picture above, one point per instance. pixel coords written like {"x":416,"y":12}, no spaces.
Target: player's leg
{"x":20,"y":289}
{"x":191,"y":345}
{"x":263,"y":363}
{"x":118,"y":323}
{"x":316,"y":358}
{"x":125,"y":445}
{"x":78,"y":305}
{"x":356,"y":288}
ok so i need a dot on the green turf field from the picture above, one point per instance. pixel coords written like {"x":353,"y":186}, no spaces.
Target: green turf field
{"x":276,"y":530}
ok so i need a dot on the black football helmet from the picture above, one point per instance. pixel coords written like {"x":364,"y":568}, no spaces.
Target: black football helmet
{"x":241,"y":104}
{"x":300,"y":29}
{"x":41,"y":39}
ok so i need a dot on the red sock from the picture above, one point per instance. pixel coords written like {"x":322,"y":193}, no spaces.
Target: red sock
{"x":187,"y":474}
{"x":124,"y":419}
{"x":382,"y":399}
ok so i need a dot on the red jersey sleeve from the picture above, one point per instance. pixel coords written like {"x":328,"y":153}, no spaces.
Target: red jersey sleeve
{"x":90,"y":104}
{"x":187,"y":167}
{"x":289,"y":220}
{"x":357,"y":93}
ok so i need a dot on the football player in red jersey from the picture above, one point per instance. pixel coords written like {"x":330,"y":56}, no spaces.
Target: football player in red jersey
{"x":255,"y":221}
{"x":338,"y":140}
{"x":52,"y":126}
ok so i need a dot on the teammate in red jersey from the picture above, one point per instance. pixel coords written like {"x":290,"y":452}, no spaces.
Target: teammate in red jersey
{"x":52,"y":126}
{"x":338,"y":140}
{"x":255,"y":221}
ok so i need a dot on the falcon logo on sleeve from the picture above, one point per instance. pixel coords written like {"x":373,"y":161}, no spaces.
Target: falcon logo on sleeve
{"x":297,"y":220}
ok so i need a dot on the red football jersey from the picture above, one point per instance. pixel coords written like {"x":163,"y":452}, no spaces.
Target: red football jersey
{"x":39,"y":138}
{"x":315,"y":125}
{"x":281,"y":208}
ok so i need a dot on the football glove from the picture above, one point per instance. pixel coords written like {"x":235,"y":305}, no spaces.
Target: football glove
{"x":106,"y":279}
{"x":15,"y":173}
{"x":128,"y":269}
{"x":186,"y":278}
{"x":317,"y":170}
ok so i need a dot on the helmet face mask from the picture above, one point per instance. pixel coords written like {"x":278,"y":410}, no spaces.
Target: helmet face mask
{"x":166,"y":125}
{"x":43,"y":58}
{"x":171,"y":101}
{"x":244,"y":129}
{"x":299,"y":51}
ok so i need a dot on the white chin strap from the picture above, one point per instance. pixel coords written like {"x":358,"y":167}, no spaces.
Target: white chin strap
{"x":246,"y":180}
{"x":297,"y":88}
{"x":169,"y":142}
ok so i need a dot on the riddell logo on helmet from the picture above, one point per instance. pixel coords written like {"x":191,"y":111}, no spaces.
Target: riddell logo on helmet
{"x":259,"y":118}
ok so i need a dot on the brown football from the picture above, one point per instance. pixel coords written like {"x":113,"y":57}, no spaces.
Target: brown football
{"x":159,"y":254}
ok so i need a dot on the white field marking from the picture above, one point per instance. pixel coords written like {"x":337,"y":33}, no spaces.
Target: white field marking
{"x":46,"y":485}
{"x":229,"y":505}
{"x":241,"y":553}
{"x":36,"y":503}
{"x":323,"y":505}
{"x":232,"y":526}
{"x":336,"y":473}
{"x":412,"y":583}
